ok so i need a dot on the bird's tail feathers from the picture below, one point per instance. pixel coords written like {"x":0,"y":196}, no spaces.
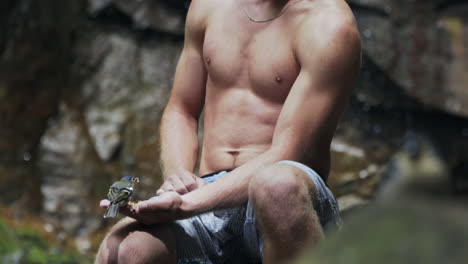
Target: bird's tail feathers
{"x":112,"y":211}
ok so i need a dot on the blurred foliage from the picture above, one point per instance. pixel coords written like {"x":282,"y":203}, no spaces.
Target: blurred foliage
{"x":29,"y":246}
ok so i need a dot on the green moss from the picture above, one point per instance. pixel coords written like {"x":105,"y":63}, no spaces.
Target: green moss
{"x":31,"y":238}
{"x":35,"y":255}
{"x":8,"y":242}
{"x":26,"y":245}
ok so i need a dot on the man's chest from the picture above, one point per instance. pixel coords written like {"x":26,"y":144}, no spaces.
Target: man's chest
{"x":240,"y":53}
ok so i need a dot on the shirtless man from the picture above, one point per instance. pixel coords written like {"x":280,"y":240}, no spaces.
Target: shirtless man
{"x":273,"y":77}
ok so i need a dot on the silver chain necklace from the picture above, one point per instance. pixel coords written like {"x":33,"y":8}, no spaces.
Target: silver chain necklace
{"x":269,"y":19}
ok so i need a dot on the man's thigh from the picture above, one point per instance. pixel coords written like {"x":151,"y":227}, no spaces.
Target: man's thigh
{"x":213,"y":237}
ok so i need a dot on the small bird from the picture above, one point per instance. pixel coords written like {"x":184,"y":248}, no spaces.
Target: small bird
{"x":119,"y":193}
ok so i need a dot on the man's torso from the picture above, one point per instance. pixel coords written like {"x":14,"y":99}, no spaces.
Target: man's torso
{"x":251,"y":69}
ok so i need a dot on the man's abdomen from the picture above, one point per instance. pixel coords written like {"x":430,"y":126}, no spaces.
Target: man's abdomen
{"x":238,"y":126}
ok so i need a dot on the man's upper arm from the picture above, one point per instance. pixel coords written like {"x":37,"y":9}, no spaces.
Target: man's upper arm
{"x":330,"y":62}
{"x":189,"y":86}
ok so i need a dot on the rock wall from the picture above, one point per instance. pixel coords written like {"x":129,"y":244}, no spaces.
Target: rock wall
{"x":36,"y":42}
{"x":107,"y":128}
{"x":412,"y":81}
{"x":421,"y":46}
{"x":83,"y":84}
{"x":82,"y":88}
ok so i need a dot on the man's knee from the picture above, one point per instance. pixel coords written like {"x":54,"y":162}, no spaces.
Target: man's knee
{"x":282,"y":197}
{"x":132,"y":242}
{"x":279,"y":182}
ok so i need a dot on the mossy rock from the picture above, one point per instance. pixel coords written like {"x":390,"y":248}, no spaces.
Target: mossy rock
{"x":430,"y":232}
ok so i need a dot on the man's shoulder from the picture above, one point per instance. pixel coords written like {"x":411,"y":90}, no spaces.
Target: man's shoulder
{"x":327,"y":30}
{"x":206,"y":7}
{"x":325,"y":21}
{"x":200,"y":11}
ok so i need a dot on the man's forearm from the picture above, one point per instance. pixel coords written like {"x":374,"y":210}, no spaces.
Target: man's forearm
{"x":179,"y":142}
{"x":229,"y":191}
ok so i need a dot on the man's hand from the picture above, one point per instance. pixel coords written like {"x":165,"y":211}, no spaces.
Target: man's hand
{"x":181,"y":182}
{"x":157,"y":210}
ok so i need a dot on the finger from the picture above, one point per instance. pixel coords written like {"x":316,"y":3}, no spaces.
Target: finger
{"x":130,"y":212}
{"x":104,"y":203}
{"x":142,"y":207}
{"x":161,"y":189}
{"x":179,"y":186}
{"x":167,"y":186}
{"x":189,"y":180}
{"x":165,"y":202}
{"x":150,"y":206}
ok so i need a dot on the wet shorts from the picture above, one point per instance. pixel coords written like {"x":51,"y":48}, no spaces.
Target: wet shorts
{"x":231,"y":236}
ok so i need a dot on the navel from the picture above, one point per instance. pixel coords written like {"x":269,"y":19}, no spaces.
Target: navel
{"x":278,"y":79}
{"x":208,"y":60}
{"x":233,"y":153}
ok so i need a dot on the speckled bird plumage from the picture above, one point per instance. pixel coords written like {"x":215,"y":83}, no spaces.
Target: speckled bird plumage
{"x":119,"y":193}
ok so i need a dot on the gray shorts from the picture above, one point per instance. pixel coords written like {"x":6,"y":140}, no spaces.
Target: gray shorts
{"x":231,"y":236}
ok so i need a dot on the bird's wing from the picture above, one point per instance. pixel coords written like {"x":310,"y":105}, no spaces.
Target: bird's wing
{"x":113,"y":193}
{"x":123,"y":194}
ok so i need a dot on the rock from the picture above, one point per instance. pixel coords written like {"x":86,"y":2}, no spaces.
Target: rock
{"x":36,"y":44}
{"x":97,"y":5}
{"x":411,"y":231}
{"x":124,"y":96}
{"x":421,"y":46}
{"x":416,"y":221}
{"x":350,"y":203}
{"x":416,"y":166}
{"x":105,"y":128}
{"x":454,"y":27}
{"x":144,"y":14}
{"x":111,"y":83}
{"x":69,"y":170}
{"x":353,"y":171}
{"x":131,"y":80}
